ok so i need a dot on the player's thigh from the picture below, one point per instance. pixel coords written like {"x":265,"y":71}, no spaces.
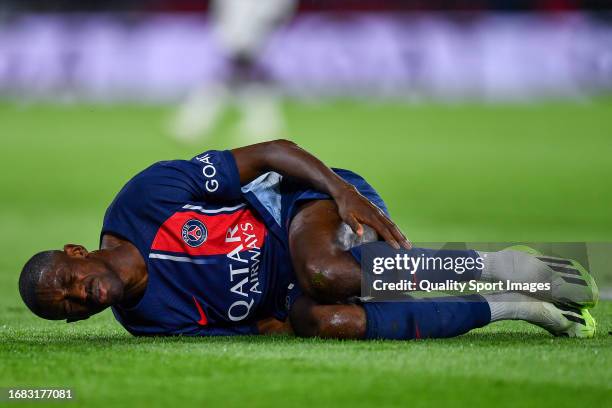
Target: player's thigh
{"x":325,"y":271}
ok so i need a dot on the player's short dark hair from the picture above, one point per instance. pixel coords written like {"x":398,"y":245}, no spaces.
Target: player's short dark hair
{"x":29,"y":279}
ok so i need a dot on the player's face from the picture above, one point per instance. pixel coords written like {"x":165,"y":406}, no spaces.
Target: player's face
{"x":81,"y":285}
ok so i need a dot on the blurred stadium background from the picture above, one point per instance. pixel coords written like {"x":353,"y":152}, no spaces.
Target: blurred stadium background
{"x":476,"y":120}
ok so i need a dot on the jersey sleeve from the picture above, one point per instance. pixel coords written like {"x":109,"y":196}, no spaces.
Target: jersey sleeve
{"x":215,"y":176}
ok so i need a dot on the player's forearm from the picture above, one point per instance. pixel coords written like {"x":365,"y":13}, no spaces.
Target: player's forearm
{"x":287,"y":159}
{"x":290,"y":160}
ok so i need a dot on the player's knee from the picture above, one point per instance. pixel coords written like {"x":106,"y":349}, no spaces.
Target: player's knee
{"x":325,"y":280}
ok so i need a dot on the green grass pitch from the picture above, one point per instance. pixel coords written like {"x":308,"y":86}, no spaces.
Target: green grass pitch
{"x":469,"y":172}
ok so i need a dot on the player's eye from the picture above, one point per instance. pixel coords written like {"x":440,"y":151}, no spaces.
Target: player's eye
{"x":67,"y":280}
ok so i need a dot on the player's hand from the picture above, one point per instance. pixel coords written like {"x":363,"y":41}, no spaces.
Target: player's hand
{"x":355,"y":210}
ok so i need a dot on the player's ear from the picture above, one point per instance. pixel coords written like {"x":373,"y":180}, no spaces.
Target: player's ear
{"x":76,"y":251}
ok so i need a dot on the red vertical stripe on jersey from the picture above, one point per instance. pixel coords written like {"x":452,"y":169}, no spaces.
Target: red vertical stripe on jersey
{"x":225,"y":232}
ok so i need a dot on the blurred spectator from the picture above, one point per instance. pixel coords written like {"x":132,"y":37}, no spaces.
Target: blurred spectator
{"x":242,"y":28}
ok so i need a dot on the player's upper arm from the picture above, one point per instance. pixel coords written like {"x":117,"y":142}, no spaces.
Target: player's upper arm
{"x":252,"y":161}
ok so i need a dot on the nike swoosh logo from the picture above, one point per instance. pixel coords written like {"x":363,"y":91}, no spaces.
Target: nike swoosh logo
{"x":203,"y":320}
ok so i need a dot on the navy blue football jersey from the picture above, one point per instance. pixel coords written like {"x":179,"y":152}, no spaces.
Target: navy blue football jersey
{"x":216,"y":255}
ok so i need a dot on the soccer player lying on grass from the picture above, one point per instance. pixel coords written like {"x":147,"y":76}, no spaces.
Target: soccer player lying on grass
{"x":236,"y":242}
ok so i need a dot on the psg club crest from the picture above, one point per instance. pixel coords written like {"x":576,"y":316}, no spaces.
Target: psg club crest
{"x":194,"y":233}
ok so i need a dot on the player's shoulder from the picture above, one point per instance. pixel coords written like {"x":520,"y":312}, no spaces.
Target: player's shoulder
{"x":160,"y":168}
{"x":158,"y":172}
{"x":168,"y":181}
{"x":208,"y":163}
{"x":151,"y":181}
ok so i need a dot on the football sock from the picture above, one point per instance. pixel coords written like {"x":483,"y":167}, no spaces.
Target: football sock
{"x":426,"y":318}
{"x":453,"y":315}
{"x":514,"y":306}
{"x":510,"y":306}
